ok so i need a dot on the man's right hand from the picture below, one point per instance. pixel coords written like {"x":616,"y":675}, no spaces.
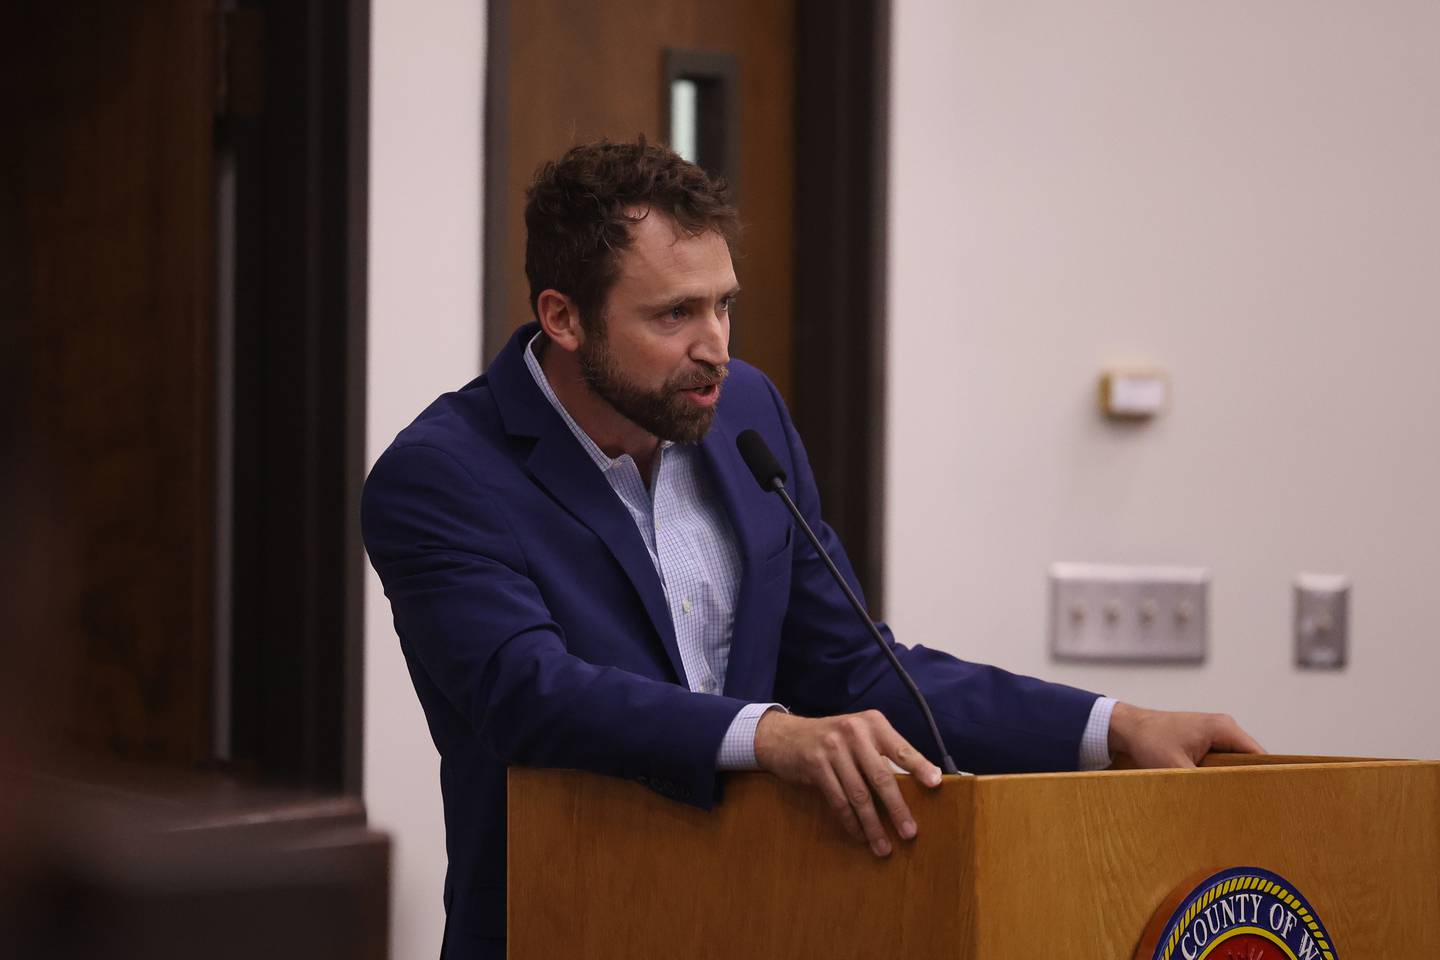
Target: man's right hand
{"x":848,"y":759}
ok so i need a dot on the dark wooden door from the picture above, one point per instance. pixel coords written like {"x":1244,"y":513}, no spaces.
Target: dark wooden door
{"x":574,"y":70}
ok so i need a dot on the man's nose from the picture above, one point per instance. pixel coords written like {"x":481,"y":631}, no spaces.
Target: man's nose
{"x":713,"y":346}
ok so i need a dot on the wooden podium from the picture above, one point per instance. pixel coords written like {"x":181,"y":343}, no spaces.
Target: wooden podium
{"x":1022,"y":867}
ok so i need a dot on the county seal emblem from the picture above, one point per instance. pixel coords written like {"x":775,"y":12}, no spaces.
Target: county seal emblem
{"x":1244,"y":913}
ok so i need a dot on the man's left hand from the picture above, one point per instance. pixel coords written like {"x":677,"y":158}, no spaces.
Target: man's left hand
{"x":1163,"y":738}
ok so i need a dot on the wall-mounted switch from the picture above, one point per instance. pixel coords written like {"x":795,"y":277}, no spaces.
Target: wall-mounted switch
{"x":1125,"y":613}
{"x":1322,"y":620}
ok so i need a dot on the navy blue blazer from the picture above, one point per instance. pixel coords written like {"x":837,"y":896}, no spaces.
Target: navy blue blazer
{"x":536,"y":630}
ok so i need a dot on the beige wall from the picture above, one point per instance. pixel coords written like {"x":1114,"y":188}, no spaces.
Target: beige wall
{"x":426,"y":104}
{"x":1244,"y":194}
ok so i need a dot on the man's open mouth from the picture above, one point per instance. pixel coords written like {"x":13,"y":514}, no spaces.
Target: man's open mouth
{"x":704,"y":394}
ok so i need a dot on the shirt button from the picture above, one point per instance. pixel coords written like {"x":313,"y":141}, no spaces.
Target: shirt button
{"x":685,"y":605}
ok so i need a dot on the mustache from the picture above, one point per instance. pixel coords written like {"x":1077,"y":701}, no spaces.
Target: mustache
{"x":709,"y":375}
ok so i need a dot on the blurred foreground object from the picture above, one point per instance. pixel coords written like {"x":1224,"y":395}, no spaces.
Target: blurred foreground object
{"x":132,"y":864}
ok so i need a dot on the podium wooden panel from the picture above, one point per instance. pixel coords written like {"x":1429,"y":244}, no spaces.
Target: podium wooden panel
{"x":1004,"y":867}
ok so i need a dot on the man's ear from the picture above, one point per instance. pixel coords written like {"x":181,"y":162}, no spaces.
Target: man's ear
{"x":559,"y":319}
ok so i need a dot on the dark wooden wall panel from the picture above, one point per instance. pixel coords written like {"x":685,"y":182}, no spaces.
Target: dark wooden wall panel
{"x":110,"y":114}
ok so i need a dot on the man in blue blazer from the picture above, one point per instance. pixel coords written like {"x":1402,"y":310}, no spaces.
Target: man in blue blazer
{"x":583,"y":573}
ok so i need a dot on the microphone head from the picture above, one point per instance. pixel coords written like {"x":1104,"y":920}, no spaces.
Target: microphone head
{"x":759,"y":459}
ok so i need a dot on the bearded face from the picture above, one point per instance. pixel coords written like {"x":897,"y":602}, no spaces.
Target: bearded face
{"x":680,"y":410}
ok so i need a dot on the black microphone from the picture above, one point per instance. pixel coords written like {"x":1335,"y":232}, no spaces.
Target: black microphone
{"x":771,"y":477}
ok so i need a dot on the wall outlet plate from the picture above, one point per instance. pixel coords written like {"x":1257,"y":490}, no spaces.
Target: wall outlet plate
{"x":1120,"y":613}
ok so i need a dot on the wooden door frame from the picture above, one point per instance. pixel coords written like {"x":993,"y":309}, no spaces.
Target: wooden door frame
{"x":842,"y":97}
{"x":842,"y":143}
{"x":297,"y":683}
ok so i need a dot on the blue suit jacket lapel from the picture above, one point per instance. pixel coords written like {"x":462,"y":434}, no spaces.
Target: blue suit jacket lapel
{"x":559,"y":464}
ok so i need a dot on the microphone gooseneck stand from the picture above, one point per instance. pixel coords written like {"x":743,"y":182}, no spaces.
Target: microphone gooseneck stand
{"x":767,"y":472}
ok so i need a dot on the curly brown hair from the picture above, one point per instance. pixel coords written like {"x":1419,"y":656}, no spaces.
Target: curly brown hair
{"x":578,"y":212}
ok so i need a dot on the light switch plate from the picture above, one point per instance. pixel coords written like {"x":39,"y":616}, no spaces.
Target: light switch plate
{"x":1109,"y":612}
{"x":1322,"y":620}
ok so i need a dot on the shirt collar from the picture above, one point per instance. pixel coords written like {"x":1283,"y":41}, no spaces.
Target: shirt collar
{"x":591,"y":448}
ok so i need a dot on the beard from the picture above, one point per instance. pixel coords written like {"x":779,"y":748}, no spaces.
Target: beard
{"x":663,"y":412}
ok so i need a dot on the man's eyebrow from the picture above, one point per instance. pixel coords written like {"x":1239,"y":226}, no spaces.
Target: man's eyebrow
{"x":680,"y":299}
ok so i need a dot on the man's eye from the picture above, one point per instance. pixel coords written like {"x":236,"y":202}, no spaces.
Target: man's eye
{"x":676,"y":313}
{"x":726,"y":303}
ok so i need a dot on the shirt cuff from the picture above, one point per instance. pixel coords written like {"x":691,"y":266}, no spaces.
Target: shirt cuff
{"x":737,"y":749}
{"x":1095,"y":742}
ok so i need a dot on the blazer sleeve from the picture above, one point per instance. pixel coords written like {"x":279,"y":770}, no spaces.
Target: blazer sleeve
{"x":471,"y":619}
{"x":993,"y":721}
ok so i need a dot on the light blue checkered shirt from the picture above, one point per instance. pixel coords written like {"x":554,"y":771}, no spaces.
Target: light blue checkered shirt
{"x":693,"y":548}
